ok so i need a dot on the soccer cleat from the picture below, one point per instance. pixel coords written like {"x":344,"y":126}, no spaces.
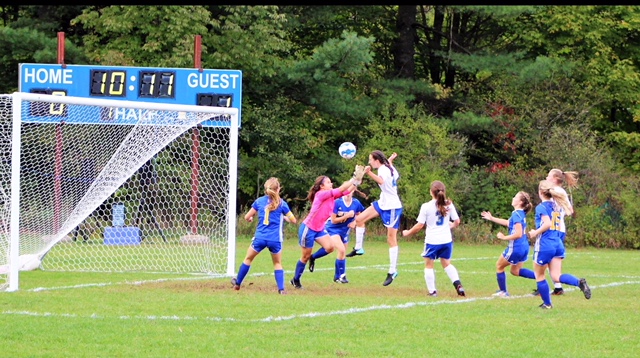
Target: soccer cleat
{"x":584,"y":288}
{"x":312,"y":264}
{"x":545,"y":307}
{"x":390,"y":278}
{"x":459,"y":288}
{"x":296,"y":283}
{"x":501,"y":294}
{"x":341,"y":279}
{"x":282,"y":292}
{"x":433,"y":294}
{"x":558,"y":291}
{"x":234,"y":282}
{"x":535,"y":292}
{"x":354,"y":252}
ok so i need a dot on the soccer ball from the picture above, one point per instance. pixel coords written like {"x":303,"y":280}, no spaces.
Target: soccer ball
{"x":347,"y":150}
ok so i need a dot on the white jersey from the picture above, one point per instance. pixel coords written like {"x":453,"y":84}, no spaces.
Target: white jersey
{"x":563,"y":227}
{"x":389,"y":198}
{"x":438,"y":230}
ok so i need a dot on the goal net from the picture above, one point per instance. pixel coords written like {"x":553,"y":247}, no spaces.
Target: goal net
{"x":115,"y":186}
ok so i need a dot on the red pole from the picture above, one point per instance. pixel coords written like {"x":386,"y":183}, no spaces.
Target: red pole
{"x":197,"y":53}
{"x":57,"y":178}
{"x":195,"y":148}
{"x":61,"y":49}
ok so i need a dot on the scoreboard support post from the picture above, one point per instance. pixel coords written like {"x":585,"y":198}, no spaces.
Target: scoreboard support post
{"x":195,"y":148}
{"x":57,"y":180}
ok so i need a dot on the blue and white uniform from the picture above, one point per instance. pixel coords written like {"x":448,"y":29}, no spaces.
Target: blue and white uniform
{"x":389,"y":206}
{"x":517,"y":250}
{"x":438,"y":239}
{"x":339,"y":209}
{"x":438,"y":243}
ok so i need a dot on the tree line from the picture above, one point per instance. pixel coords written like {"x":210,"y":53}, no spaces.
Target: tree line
{"x":486,"y":99}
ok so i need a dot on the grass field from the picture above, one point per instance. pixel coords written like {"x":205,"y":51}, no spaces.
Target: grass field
{"x":56,"y":314}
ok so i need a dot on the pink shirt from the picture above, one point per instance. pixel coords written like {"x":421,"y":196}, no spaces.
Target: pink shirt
{"x":322,"y":207}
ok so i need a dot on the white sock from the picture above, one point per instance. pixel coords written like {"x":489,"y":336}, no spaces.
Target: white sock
{"x":557,"y":285}
{"x":452,"y":273}
{"x":430,"y":279}
{"x":393,"y":259}
{"x":359,"y":237}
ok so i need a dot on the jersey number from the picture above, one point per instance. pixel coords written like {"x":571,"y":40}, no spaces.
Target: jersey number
{"x":555,"y":221}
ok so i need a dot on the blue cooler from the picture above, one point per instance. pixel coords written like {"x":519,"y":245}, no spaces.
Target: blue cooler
{"x":118,"y":234}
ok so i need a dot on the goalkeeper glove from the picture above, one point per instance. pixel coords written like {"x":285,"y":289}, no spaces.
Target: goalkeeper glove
{"x":358,"y":173}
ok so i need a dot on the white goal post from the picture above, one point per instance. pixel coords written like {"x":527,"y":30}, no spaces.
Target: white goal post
{"x":103,"y":185}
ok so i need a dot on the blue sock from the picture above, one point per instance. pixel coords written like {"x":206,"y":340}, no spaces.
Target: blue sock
{"x":243,"y":270}
{"x":279,"y":274}
{"x":569,"y":279}
{"x":502,"y":281}
{"x":299,"y":269}
{"x":526,"y":273}
{"x":342,"y":267}
{"x":543,"y":288}
{"x":320,"y":253}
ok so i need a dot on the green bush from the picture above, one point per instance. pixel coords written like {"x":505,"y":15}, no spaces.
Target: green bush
{"x":601,"y":226}
{"x":477,"y":232}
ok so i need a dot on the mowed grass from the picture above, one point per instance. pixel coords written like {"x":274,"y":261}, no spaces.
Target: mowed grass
{"x":65,"y":314}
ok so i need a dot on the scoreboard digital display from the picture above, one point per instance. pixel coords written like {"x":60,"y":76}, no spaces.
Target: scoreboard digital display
{"x":189,"y":86}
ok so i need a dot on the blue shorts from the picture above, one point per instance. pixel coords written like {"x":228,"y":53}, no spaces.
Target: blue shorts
{"x":307,"y":237}
{"x":545,"y":256}
{"x":442,"y":251}
{"x":343,"y":232}
{"x":517,"y":256}
{"x":275,"y":247}
{"x":390,"y":218}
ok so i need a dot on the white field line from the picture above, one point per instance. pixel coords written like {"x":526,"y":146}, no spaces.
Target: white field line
{"x":282,"y":318}
{"x":295,"y":316}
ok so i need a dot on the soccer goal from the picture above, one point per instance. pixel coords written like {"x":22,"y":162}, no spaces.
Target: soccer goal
{"x":104,"y":185}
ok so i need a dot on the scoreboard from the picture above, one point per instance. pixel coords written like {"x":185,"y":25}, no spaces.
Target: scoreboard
{"x":189,"y":86}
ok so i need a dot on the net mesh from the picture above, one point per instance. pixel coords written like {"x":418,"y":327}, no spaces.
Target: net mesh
{"x":104,"y":189}
{"x":5,"y":182}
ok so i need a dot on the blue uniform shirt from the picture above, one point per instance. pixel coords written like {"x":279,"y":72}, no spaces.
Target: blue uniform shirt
{"x":548,"y":239}
{"x":341,"y":207}
{"x":521,"y":243}
{"x":270,"y":223}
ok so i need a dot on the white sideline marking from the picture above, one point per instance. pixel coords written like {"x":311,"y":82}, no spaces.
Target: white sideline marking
{"x":303,"y":315}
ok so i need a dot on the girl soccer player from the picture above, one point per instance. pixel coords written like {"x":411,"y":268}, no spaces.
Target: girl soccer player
{"x":322,"y":196}
{"x":548,"y":249}
{"x":388,"y":208}
{"x":339,"y":226}
{"x":271,"y":211}
{"x":558,"y":178}
{"x":440,"y":217}
{"x":517,"y":250}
